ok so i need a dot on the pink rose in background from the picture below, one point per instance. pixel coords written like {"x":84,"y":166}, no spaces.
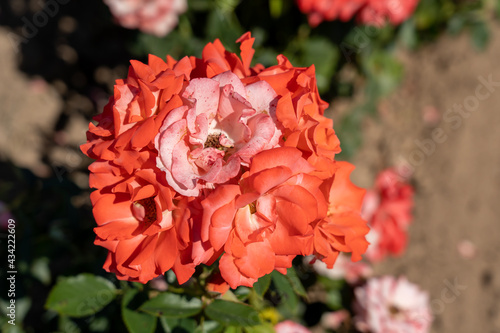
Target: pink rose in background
{"x":390,"y":305}
{"x":387,"y":208}
{"x":289,"y":326}
{"x":159,"y":283}
{"x":157,"y":17}
{"x":333,"y":320}
{"x":221,"y":127}
{"x":344,"y":268}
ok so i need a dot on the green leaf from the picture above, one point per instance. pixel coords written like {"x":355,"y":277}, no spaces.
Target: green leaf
{"x":199,"y":5}
{"x":241,"y":294}
{"x":331,"y":284}
{"x":231,"y":296}
{"x":480,"y":35}
{"x":67,"y":325}
{"x":287,"y":297}
{"x":276,"y":8}
{"x":233,"y":329}
{"x":209,"y":327}
{"x":23,"y":305}
{"x":99,"y":324}
{"x":8,"y":328}
{"x":264,"y":328}
{"x":224,"y":25}
{"x":232,"y":313}
{"x":172,"y":306}
{"x":40,"y":269}
{"x":456,"y":24}
{"x":334,"y":299}
{"x":178,"y":325}
{"x":384,"y":73}
{"x":297,"y":286}
{"x":262,"y":285}
{"x":136,"y":322}
{"x":427,"y":14}
{"x":408,"y":34}
{"x":81,"y":295}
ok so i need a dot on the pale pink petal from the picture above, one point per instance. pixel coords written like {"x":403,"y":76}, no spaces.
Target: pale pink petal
{"x":233,"y":80}
{"x":205,"y":93}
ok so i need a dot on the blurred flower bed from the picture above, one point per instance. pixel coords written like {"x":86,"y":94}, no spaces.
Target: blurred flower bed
{"x":331,"y":49}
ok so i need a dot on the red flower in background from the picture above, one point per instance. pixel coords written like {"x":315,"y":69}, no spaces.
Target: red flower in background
{"x":199,"y":158}
{"x":370,"y":12}
{"x":387,"y":208}
{"x":157,"y":17}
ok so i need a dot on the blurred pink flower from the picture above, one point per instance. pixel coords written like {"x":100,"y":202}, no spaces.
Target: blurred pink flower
{"x":344,"y":268}
{"x":466,"y":249}
{"x":159,"y":283}
{"x":157,"y":17}
{"x":333,"y":320}
{"x":431,"y":115}
{"x":390,"y":305}
{"x":289,"y":326}
{"x":387,"y":208}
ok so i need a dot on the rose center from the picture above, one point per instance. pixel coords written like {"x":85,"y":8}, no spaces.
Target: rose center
{"x":215,"y":140}
{"x":150,"y":214}
{"x":253,"y":207}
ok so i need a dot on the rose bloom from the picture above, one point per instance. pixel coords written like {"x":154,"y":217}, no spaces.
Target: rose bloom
{"x":289,"y":326}
{"x":333,"y":320}
{"x":222,"y":126}
{"x":387,"y":208}
{"x":278,"y":211}
{"x":208,"y":157}
{"x":157,"y":17}
{"x":370,"y":12}
{"x":390,"y":305}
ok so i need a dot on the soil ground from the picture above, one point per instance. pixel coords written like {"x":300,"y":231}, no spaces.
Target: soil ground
{"x":455,"y":160}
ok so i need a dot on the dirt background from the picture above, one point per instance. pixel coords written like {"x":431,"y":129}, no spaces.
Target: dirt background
{"x":456,"y":175}
{"x":457,"y":181}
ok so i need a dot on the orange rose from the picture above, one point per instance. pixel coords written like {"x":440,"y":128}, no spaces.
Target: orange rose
{"x":199,"y":158}
{"x":343,"y":230}
{"x":266,"y":220}
{"x":142,"y":227}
